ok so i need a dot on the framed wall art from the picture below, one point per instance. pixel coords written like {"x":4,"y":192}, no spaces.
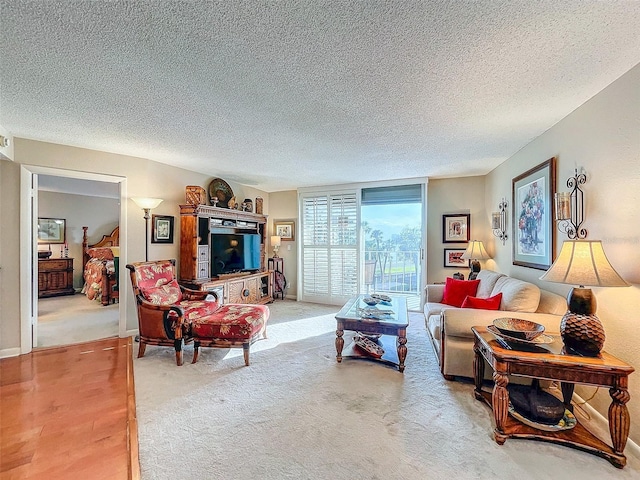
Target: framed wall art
{"x":456,"y":228}
{"x":285,"y":229}
{"x":453,"y":258}
{"x":533,"y":232}
{"x":161,"y":229}
{"x":52,"y":230}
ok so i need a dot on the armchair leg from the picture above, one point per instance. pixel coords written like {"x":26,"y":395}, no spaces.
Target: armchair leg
{"x":245,"y":351}
{"x":178,"y":346}
{"x":141,"y":348}
{"x":196,"y":350}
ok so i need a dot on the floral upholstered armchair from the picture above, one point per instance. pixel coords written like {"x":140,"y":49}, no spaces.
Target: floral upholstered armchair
{"x":165,"y":309}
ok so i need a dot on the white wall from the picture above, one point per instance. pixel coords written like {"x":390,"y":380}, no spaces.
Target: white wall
{"x":6,"y":153}
{"x":284,"y":206}
{"x":603,"y":137}
{"x":451,"y":196}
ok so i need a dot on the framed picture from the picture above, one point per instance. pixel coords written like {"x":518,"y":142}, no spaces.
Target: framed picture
{"x":52,"y":230}
{"x":161,"y":229}
{"x":285,"y":229}
{"x":456,"y":228}
{"x":533,"y":232}
{"x":453,"y":258}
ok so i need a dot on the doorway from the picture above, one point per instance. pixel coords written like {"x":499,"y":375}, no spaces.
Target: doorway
{"x":69,"y":311}
{"x":30,"y":176}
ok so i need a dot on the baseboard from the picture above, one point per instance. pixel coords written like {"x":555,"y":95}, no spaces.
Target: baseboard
{"x":132,"y":333}
{"x":600,"y":424}
{"x":9,"y":352}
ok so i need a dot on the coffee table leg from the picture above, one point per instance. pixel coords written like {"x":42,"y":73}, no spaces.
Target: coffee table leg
{"x":500,"y":404}
{"x":339,"y":344}
{"x":402,"y":350}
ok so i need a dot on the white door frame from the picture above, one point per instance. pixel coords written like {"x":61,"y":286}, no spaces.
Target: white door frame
{"x":29,"y":246}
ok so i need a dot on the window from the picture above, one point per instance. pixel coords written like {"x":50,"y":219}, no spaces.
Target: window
{"x":330,"y":247}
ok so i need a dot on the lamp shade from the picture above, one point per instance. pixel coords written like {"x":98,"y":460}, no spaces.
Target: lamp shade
{"x":584,"y":263}
{"x":475,"y":251}
{"x":275,"y":240}
{"x":144,"y":202}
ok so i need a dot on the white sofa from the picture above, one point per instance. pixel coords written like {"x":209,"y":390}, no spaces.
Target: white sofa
{"x":449,"y":327}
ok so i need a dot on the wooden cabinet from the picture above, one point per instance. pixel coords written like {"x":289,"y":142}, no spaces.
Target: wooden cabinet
{"x":196,"y":225}
{"x":55,"y":277}
{"x":196,"y":222}
{"x":253,"y":288}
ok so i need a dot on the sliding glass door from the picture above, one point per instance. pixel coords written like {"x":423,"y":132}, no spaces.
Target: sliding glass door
{"x":391,"y":219}
{"x":362,"y":240}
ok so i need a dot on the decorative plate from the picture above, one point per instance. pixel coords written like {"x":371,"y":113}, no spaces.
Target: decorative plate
{"x":220,"y":189}
{"x":369,"y":346}
{"x":567,"y":422}
{"x":539,"y":340}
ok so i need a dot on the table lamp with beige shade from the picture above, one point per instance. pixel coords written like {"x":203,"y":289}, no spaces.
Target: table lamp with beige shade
{"x":583,"y":263}
{"x":275,"y":243}
{"x":475,"y":252}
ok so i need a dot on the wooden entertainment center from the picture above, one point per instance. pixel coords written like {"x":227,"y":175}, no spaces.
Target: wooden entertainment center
{"x":196,"y":224}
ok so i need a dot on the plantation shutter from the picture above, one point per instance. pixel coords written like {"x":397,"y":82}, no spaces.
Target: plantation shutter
{"x":330,"y":247}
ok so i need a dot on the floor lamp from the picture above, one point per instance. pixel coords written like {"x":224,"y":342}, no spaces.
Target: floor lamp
{"x":146,"y":204}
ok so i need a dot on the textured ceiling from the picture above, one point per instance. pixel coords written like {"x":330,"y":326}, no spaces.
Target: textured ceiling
{"x":295,"y":93}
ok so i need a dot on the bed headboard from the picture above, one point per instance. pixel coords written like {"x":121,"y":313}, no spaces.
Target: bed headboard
{"x":111,"y":240}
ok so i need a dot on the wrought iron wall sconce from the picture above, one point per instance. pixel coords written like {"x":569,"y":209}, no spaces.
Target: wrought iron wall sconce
{"x":499,"y":222}
{"x":570,"y":208}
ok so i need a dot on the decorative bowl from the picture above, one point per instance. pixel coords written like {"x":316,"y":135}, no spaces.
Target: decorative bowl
{"x":44,"y":253}
{"x":519,"y":328}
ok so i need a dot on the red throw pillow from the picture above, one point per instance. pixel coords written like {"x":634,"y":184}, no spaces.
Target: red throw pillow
{"x":455,"y":291}
{"x":491,"y":303}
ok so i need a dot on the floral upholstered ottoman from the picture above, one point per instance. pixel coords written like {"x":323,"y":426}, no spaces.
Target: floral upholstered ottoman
{"x":232,"y":325}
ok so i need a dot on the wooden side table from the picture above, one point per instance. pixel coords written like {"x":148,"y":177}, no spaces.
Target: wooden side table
{"x":552,"y":363}
{"x":277,"y":265}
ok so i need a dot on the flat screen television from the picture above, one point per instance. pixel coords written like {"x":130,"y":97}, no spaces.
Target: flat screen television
{"x":234,"y":252}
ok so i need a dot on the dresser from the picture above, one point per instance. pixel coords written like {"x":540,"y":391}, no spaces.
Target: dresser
{"x":55,"y":277}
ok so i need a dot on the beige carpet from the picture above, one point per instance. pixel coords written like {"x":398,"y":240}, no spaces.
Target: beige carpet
{"x":74,"y":319}
{"x":297,"y":414}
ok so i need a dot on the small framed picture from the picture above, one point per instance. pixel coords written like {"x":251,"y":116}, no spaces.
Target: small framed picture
{"x":456,"y":228}
{"x":453,"y":258}
{"x":161,"y":229}
{"x":52,"y":230}
{"x":285,"y":229}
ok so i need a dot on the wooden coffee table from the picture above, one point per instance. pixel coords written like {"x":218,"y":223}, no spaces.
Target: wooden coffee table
{"x":550,"y":362}
{"x":392,"y":329}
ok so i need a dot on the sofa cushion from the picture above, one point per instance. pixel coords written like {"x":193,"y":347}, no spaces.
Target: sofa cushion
{"x":491,"y":303}
{"x":488,"y":279}
{"x":517,"y":295}
{"x":551,"y":303}
{"x":455,"y":291}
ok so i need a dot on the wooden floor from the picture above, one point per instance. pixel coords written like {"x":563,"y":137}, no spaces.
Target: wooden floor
{"x":69,"y":413}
